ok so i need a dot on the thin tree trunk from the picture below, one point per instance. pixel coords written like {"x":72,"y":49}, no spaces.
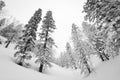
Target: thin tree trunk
{"x":7,"y":44}
{"x":41,"y":68}
{"x":101,"y":57}
{"x":89,"y":70}
{"x":105,"y":55}
{"x":9,"y":41}
{"x":88,"y":67}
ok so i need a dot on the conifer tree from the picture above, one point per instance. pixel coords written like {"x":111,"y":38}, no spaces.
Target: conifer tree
{"x":71,"y":61}
{"x":44,"y":53}
{"x":9,"y":33}
{"x":105,"y":15}
{"x":80,"y":54}
{"x":75,"y":40}
{"x":64,"y":60}
{"x":27,"y":40}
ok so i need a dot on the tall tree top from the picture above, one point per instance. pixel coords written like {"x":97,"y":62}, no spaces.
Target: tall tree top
{"x":36,"y":17}
{"x":48,"y":21}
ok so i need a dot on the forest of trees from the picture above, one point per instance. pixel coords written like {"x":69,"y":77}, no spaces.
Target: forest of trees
{"x":101,"y":30}
{"x":99,"y":36}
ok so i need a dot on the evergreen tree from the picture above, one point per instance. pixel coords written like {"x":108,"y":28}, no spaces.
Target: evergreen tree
{"x":27,"y":41}
{"x":44,"y":52}
{"x":9,"y":40}
{"x":69,"y":53}
{"x":81,"y":54}
{"x":9,"y":33}
{"x":95,"y":40}
{"x":18,"y":28}
{"x":105,"y":14}
{"x":64,"y":60}
{"x":75,"y":40}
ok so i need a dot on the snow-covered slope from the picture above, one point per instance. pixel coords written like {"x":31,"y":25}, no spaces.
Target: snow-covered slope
{"x":109,"y":70}
{"x":11,"y":71}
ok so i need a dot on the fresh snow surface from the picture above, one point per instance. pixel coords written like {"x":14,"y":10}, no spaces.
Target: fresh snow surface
{"x":109,"y":70}
{"x":11,"y":71}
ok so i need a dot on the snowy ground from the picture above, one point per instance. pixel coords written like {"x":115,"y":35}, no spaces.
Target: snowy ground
{"x":11,"y":71}
{"x":109,"y":70}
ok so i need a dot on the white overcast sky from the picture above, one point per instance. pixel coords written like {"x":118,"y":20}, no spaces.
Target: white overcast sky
{"x":65,"y":12}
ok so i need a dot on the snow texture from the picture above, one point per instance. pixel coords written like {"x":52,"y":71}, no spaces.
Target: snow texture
{"x":109,"y":70}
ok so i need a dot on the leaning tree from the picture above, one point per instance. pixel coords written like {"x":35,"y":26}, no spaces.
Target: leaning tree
{"x":81,"y":51}
{"x":27,"y":40}
{"x":70,"y":57}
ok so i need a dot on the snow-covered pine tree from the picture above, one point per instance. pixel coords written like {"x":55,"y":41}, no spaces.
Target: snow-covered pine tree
{"x":27,"y":40}
{"x":64,"y":59}
{"x":9,"y":33}
{"x":71,"y":61}
{"x":94,"y":39}
{"x":105,"y":15}
{"x":44,"y":52}
{"x":81,"y":57}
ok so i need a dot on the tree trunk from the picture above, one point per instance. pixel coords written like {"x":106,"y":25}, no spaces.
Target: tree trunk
{"x":20,"y":63}
{"x":105,"y":56}
{"x":7,"y":44}
{"x":101,"y":57}
{"x":41,"y":68}
{"x":88,"y":69}
{"x":9,"y":41}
